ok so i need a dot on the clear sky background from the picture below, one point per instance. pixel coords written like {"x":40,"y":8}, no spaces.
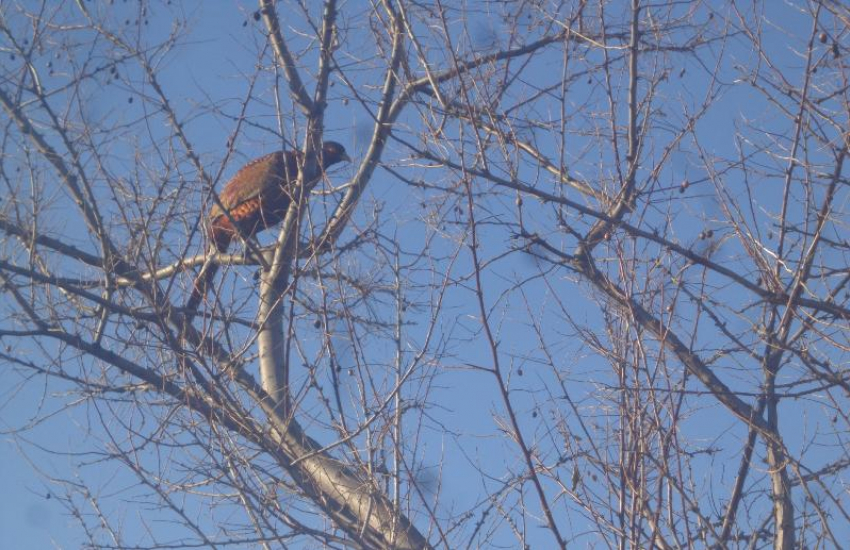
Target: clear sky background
{"x":209,"y":69}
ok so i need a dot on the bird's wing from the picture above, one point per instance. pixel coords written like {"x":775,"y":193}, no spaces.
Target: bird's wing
{"x":255,"y":177}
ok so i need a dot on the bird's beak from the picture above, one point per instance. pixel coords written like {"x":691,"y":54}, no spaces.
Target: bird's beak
{"x":346,"y":158}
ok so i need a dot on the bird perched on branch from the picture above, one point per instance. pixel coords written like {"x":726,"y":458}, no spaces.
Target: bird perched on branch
{"x":256,"y":198}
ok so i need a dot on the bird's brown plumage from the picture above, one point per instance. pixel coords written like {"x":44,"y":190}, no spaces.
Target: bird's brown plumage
{"x":256,"y":198}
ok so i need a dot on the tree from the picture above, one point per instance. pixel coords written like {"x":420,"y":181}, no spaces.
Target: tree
{"x":585,"y":283}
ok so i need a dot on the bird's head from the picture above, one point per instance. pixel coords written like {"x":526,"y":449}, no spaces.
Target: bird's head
{"x":333,"y":152}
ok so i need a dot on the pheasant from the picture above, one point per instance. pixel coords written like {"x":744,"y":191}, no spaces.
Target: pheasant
{"x":256,"y":198}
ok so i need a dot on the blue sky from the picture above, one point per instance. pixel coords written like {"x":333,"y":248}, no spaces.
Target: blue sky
{"x":206,"y":77}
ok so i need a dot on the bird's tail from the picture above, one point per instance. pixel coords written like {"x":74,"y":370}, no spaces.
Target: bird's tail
{"x":200,"y":288}
{"x":202,"y":283}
